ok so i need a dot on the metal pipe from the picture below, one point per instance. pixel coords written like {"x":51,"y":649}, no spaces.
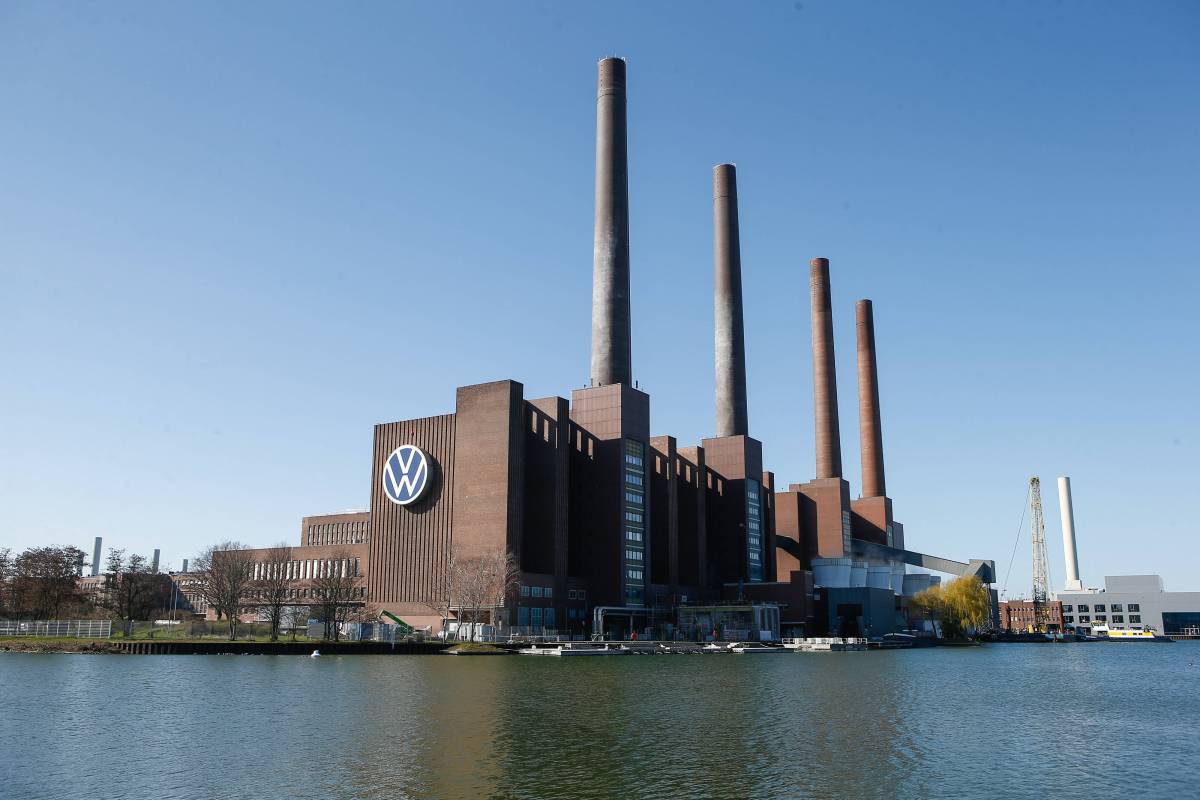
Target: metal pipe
{"x":727,"y":305}
{"x":612,"y":358}
{"x":870,"y":429}
{"x":828,"y":441}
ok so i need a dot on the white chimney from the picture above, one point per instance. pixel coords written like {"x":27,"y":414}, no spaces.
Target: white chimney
{"x":1070,"y":553}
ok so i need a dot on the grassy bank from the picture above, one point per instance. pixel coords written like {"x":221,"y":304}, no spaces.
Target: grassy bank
{"x":38,"y":644}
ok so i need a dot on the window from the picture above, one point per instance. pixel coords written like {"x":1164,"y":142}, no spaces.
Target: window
{"x":582,"y":594}
{"x":1068,"y":619}
{"x":522,"y":616}
{"x":1099,"y":607}
{"x":633,"y":574}
{"x":1083,"y":607}
{"x":633,"y":516}
{"x":524,"y":591}
{"x":1084,"y":618}
{"x":1135,"y":617}
{"x":535,"y":617}
{"x":633,"y":535}
{"x":1115,"y":607}
{"x":1101,"y":618}
{"x":633,"y":555}
{"x":570,"y":594}
{"x":548,"y":618}
{"x":1118,"y":618}
{"x":548,"y":591}
{"x":536,"y":591}
{"x":1067,"y":609}
{"x":1133,"y":607}
{"x":631,"y":497}
{"x":635,"y":480}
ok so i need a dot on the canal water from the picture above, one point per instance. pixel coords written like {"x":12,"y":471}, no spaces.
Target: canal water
{"x":1005,"y":721}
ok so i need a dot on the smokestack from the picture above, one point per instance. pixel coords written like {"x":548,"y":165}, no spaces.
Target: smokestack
{"x":96,"y":557}
{"x":154,"y":562}
{"x":870,"y":430}
{"x":185,"y":565}
{"x":612,"y":358}
{"x":829,"y":447}
{"x":1070,"y":553}
{"x":727,"y":303}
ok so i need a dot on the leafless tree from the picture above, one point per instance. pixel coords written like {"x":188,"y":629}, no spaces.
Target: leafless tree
{"x":6,"y":566}
{"x":336,"y":592}
{"x":131,"y":590}
{"x":484,"y":583}
{"x":225,"y":573}
{"x":43,"y":582}
{"x":443,"y":593}
{"x":272,"y":589}
{"x":295,"y":617}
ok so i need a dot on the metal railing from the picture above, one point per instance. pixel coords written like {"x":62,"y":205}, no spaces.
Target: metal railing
{"x":69,"y":628}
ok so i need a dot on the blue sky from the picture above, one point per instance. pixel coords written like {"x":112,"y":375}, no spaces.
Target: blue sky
{"x":233,"y":238}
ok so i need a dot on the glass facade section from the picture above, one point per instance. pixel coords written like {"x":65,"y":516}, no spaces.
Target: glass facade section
{"x":846,"y":532}
{"x":633,"y":575}
{"x":755,"y":552}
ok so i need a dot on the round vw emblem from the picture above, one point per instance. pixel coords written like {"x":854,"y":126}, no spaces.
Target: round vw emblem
{"x":405,"y":475}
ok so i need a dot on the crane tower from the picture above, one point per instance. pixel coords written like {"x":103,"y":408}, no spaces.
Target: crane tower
{"x":1041,"y":581}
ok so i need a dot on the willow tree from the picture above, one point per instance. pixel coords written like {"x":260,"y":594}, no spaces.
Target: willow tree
{"x":961,"y":605}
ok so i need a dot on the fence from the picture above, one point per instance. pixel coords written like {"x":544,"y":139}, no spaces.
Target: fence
{"x":71,"y":628}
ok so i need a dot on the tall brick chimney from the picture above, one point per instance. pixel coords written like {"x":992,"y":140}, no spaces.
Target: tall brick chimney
{"x":828,"y":443}
{"x":727,"y":305}
{"x":870,"y":430}
{"x":612,"y":358}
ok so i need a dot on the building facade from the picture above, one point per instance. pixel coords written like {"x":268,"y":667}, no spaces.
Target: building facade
{"x":1131,"y":602}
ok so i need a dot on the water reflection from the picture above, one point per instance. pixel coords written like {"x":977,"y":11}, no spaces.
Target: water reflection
{"x":1016,"y":721}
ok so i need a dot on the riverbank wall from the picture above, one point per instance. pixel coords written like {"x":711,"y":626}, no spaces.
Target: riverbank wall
{"x":216,"y":647}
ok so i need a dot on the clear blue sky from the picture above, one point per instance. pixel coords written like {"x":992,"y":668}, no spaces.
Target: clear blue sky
{"x":233,"y":238}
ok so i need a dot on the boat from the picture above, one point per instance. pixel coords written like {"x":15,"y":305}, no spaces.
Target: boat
{"x":1105,"y":634}
{"x":754,"y":648}
{"x":569,"y":649}
{"x":825,"y":644}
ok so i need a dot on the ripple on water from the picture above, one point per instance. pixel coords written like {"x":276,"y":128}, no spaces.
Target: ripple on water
{"x":1076,"y":721}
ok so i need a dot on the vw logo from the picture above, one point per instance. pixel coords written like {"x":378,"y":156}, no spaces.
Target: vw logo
{"x":405,"y":475}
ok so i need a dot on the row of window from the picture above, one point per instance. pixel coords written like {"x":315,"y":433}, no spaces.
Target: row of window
{"x":337,"y":533}
{"x":633,"y":535}
{"x":634,"y":555}
{"x":306,"y":569}
{"x":535,"y":617}
{"x":1103,"y":618}
{"x":1114,"y":607}
{"x":537,"y":591}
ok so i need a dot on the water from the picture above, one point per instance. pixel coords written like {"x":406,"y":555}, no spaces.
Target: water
{"x":1037,"y":721}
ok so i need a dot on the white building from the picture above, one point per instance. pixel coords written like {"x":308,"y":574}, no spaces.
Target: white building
{"x":1132,"y":602}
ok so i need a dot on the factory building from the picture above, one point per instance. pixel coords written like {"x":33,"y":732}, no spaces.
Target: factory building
{"x":1132,"y":602}
{"x":614,"y":528}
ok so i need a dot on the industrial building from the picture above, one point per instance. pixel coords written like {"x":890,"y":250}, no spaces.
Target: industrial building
{"x":1127,"y":602}
{"x":1132,"y":602}
{"x":615,"y":528}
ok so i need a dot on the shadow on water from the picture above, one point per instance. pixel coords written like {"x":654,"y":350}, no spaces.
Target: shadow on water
{"x":1003,"y":721}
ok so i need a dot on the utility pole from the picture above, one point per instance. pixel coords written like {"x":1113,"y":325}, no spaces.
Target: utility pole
{"x":1041,"y":582}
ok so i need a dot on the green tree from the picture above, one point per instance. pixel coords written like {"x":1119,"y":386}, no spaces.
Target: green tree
{"x":962,"y":605}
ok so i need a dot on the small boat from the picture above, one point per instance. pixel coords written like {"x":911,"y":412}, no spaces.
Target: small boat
{"x":754,"y":648}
